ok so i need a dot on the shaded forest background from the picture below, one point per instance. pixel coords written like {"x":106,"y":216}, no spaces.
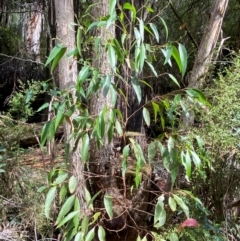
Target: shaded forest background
{"x":28,"y":33}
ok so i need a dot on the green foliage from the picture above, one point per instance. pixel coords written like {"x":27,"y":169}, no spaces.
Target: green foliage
{"x":20,"y":104}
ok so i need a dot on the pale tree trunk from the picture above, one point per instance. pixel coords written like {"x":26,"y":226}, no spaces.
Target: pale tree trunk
{"x":208,"y":44}
{"x":67,"y":80}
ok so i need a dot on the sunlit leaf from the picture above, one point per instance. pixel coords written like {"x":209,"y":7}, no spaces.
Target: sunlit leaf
{"x":66,"y":207}
{"x":112,"y":5}
{"x":181,"y":203}
{"x":79,"y":40}
{"x":70,"y":216}
{"x":165,"y":26}
{"x":172,"y":204}
{"x":155,"y":31}
{"x":85,"y":147}
{"x":146,"y":116}
{"x":90,"y":235}
{"x":72,"y":184}
{"x":119,"y":128}
{"x":101,"y":233}
{"x":137,"y":88}
{"x":160,"y":213}
{"x":49,"y":200}
{"x":183,"y":57}
{"x":174,"y":79}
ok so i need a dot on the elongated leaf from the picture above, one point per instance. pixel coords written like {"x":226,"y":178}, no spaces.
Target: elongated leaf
{"x":67,"y":218}
{"x":90,"y":235}
{"x":84,"y":225}
{"x":85,"y":147}
{"x":57,"y":58}
{"x":112,"y":57}
{"x":152,"y":68}
{"x":60,"y":114}
{"x":101,"y":233}
{"x":49,"y":200}
{"x":108,"y":205}
{"x":174,"y":79}
{"x":142,"y":56}
{"x":181,"y":203}
{"x":130,"y":7}
{"x":88,"y":198}
{"x":79,"y":40}
{"x":45,"y":132}
{"x":78,"y":236}
{"x":83,"y":74}
{"x":60,"y":178}
{"x":151,"y":151}
{"x":72,"y":184}
{"x":146,"y":116}
{"x":137,"y":88}
{"x":44,"y":106}
{"x":112,"y":5}
{"x":176,"y":56}
{"x":195,"y":158}
{"x":141,"y":29}
{"x":54,"y":53}
{"x":183,"y":57}
{"x":65,"y":208}
{"x":195,"y":93}
{"x":172,"y":204}
{"x":167,"y":54}
{"x":186,"y":161}
{"x":119,"y":128}
{"x":160,"y":213}
{"x":155,"y":31}
{"x":165,"y":26}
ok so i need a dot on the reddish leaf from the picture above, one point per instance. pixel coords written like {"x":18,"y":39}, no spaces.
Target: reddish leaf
{"x":190,"y":222}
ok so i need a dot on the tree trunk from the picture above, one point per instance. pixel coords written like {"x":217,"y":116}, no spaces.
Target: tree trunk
{"x":67,"y":80}
{"x":208,"y":44}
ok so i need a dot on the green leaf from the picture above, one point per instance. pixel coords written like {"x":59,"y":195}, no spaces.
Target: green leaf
{"x":108,"y":205}
{"x":183,"y":57}
{"x":83,"y":74}
{"x":60,"y":114}
{"x":197,"y":94}
{"x":167,"y":54}
{"x":67,"y":218}
{"x":170,"y":143}
{"x":151,"y":151}
{"x":106,"y":84}
{"x":119,"y":128}
{"x":152,"y":68}
{"x":84,"y":225}
{"x":173,"y":237}
{"x":112,"y":6}
{"x":29,"y":96}
{"x":79,"y":40}
{"x":142,"y":57}
{"x":160,"y":213}
{"x":78,"y":236}
{"x":146,"y":116}
{"x":88,"y":198}
{"x":60,"y":178}
{"x":49,"y":199}
{"x":137,"y":88}
{"x":53,"y":53}
{"x":85,"y":147}
{"x":72,"y":184}
{"x":62,"y":194}
{"x":176,"y":56}
{"x":155,"y":110}
{"x":90,"y":235}
{"x":44,"y":106}
{"x":141,"y":29}
{"x":130,"y":7}
{"x":101,"y":233}
{"x":155,"y":31}
{"x":174,"y":79}
{"x":112,"y":57}
{"x":180,"y":202}
{"x":57,"y":58}
{"x":195,"y":158}
{"x":65,"y":208}
{"x":45,"y":132}
{"x":186,"y":161}
{"x":165,"y":26}
{"x":172,"y":204}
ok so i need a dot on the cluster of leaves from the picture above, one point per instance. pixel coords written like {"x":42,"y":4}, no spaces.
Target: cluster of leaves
{"x":20,"y":106}
{"x":70,"y":108}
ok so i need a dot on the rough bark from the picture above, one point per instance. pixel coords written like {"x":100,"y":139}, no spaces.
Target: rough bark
{"x":208,"y":44}
{"x":67,"y":79}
